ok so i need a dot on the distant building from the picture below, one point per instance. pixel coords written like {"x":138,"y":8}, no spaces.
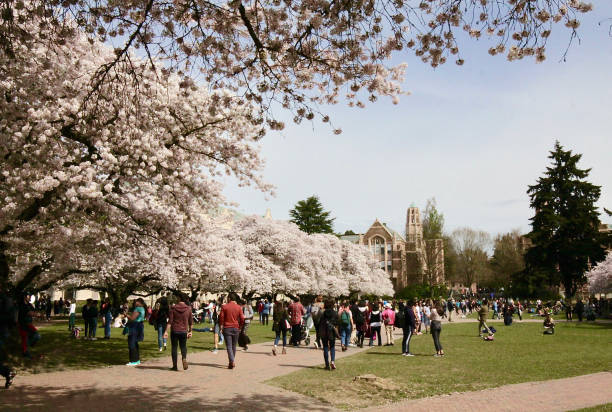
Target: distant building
{"x":407,"y":260}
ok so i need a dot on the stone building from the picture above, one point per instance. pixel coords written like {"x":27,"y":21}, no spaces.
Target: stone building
{"x":407,"y":260}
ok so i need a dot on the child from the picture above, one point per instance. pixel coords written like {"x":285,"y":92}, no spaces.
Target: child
{"x":549,"y":325}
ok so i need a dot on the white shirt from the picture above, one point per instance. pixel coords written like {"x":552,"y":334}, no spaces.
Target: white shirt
{"x":72,"y":308}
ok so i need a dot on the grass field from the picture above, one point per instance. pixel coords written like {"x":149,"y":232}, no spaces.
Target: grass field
{"x":60,"y":351}
{"x":520,"y":353}
{"x":599,"y":408}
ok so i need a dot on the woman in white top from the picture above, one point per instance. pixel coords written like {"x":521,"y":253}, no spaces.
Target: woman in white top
{"x":426,"y":314}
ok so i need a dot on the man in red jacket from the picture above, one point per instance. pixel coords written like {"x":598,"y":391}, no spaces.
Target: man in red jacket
{"x":231,"y":320}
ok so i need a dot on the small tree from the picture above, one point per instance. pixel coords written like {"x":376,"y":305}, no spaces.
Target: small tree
{"x":565,"y":228}
{"x":310,"y":217}
{"x":433,"y":226}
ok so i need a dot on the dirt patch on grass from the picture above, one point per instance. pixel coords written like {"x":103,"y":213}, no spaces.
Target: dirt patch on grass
{"x":359,"y":393}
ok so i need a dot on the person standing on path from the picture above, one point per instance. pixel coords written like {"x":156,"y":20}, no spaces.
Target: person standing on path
{"x":231,"y":320}
{"x":161,"y":323}
{"x":280,"y":320}
{"x":359,"y":317}
{"x":409,"y":327}
{"x":482,"y":317}
{"x":436,"y":327}
{"x":180,"y":323}
{"x":214,"y":316}
{"x":136,"y":330}
{"x":296,"y":311}
{"x":265,"y":313}
{"x":328,"y":331}
{"x":375,"y":323}
{"x":346,"y":325}
{"x":247,"y":311}
{"x":388,"y":317}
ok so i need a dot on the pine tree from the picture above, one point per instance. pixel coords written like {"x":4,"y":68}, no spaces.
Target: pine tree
{"x":309,"y":216}
{"x":565,"y":228}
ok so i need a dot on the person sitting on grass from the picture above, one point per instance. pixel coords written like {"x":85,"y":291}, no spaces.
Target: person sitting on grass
{"x":549,"y":324}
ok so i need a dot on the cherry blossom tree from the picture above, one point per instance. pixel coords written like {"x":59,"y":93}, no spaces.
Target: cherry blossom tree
{"x":138,"y":164}
{"x":299,"y":54}
{"x":600,"y":277}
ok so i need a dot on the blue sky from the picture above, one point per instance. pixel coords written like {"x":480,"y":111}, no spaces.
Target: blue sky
{"x":474,"y":137}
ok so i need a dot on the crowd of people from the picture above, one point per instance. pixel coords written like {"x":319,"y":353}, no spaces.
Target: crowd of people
{"x":352,"y":323}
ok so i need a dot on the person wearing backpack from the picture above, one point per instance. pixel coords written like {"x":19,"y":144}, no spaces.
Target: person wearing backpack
{"x":346,"y":325}
{"x":408,"y":328}
{"x":328,"y":330}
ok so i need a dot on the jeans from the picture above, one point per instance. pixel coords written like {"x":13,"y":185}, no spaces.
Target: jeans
{"x":345,"y":335}
{"x":133,"y":347}
{"x":360,"y":338}
{"x":264,"y":319}
{"x":218,"y":332}
{"x":278,"y":335}
{"x":406,"y":340}
{"x":329,"y":348}
{"x":161,"y":341}
{"x":93,"y":326}
{"x":178,"y":338}
{"x":375,"y":330}
{"x":231,"y":341}
{"x":435,"y":333}
{"x":108,"y":318}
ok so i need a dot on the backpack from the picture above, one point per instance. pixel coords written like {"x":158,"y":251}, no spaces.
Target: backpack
{"x":358,"y":317}
{"x":345,"y":319}
{"x":399,"y":319}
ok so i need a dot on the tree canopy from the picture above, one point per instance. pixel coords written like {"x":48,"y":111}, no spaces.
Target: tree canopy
{"x":565,"y":228}
{"x":310,"y":217}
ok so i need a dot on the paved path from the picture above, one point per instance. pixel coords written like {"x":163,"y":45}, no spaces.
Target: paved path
{"x":209,"y":385}
{"x":547,"y":396}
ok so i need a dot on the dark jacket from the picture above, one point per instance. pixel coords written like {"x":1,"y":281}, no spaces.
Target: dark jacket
{"x":278,"y":320}
{"x":409,"y":319}
{"x":329,"y":324}
{"x":161,"y":317}
{"x":181,"y":318}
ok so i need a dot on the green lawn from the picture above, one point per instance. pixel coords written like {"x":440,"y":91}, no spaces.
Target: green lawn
{"x":520,"y":353}
{"x":60,"y":351}
{"x":599,"y":408}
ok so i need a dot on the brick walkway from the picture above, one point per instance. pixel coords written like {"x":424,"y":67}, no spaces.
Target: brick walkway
{"x":209,"y":385}
{"x":547,"y":396}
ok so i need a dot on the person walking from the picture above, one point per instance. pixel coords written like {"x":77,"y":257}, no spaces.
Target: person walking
{"x":436,"y":327}
{"x":247,"y":311}
{"x":107,"y":317}
{"x":482,"y":317}
{"x":296,"y":311}
{"x":161,"y":323}
{"x":316,"y":313}
{"x":179,"y":324}
{"x":265,"y":313}
{"x":328,"y":331}
{"x":388,"y":317}
{"x":450,"y":306}
{"x":346,"y":325}
{"x":214,"y":316}
{"x":375,"y":324}
{"x":280,"y":322}
{"x":135,"y":327}
{"x":231,"y":320}
{"x":359,"y":318}
{"x":409,"y":327}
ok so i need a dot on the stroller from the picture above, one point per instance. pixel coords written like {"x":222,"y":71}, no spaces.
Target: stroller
{"x":306,"y":325}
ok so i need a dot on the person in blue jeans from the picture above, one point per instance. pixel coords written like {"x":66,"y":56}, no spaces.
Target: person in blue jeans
{"x":161,"y":322}
{"x":346,"y":325}
{"x":136,"y":330}
{"x":328,"y":331}
{"x":107,"y":315}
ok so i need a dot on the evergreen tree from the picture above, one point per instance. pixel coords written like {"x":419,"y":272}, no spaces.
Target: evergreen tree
{"x":309,"y":216}
{"x":565,"y":228}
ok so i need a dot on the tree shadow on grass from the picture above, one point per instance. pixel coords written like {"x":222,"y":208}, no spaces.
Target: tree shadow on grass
{"x":162,"y":398}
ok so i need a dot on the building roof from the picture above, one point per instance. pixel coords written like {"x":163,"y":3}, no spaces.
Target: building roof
{"x":350,"y":238}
